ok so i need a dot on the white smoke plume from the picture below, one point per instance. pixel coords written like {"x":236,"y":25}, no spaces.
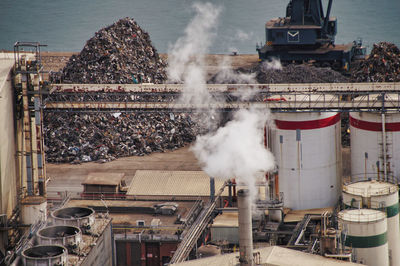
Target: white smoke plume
{"x":273,"y":63}
{"x":190,"y":49}
{"x":227,"y":75}
{"x":186,"y":58}
{"x":237,"y":150}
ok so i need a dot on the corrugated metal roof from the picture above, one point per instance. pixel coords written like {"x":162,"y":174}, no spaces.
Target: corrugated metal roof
{"x":172,"y":183}
{"x":275,"y":255}
{"x":101,"y":178}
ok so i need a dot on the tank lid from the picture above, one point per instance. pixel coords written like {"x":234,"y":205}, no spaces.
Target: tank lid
{"x":370,"y":188}
{"x":59,"y":231}
{"x":361,"y":215}
{"x":72,"y":213}
{"x":44,"y":251}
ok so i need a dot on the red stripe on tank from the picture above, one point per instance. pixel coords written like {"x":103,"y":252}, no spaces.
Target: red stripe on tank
{"x":373,"y":126}
{"x":311,"y":124}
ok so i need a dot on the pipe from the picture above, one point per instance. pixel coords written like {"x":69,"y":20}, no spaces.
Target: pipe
{"x":230,"y":193}
{"x":277,"y":186}
{"x":384,"y":147}
{"x":212,"y":189}
{"x":365,"y":165}
{"x":378,"y":170}
{"x":234,"y":187}
{"x":245,"y":228}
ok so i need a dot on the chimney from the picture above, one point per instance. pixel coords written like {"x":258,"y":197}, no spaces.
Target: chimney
{"x":245,"y":228}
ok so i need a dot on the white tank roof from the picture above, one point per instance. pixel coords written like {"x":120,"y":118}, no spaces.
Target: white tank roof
{"x":370,"y":188}
{"x":361,"y":215}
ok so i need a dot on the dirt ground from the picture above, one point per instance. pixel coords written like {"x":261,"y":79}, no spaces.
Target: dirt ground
{"x":68,"y":177}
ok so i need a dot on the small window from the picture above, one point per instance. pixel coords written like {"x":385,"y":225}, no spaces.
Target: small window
{"x":140,"y":223}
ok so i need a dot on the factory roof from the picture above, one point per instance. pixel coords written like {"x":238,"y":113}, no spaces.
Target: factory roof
{"x":127,"y":212}
{"x":297,"y":215}
{"x":270,"y":256}
{"x":102,"y":178}
{"x":172,"y":183}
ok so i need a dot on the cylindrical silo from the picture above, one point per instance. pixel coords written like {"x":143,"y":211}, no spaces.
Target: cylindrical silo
{"x":64,"y":235}
{"x":365,"y":231}
{"x":45,"y":255}
{"x":375,"y":142}
{"x":382,"y":196}
{"x":307,"y":149}
{"x":81,"y":217}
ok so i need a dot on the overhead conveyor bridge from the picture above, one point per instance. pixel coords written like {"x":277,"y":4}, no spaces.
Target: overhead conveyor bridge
{"x":278,"y":97}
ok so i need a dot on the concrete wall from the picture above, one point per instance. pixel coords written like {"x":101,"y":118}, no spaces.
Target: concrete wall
{"x":8,"y":167}
{"x":101,"y":253}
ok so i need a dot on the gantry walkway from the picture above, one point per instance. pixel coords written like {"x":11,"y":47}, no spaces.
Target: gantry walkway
{"x":278,"y":97}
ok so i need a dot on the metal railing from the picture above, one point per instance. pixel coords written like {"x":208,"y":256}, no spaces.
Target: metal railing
{"x":278,"y":97}
{"x":361,"y":215}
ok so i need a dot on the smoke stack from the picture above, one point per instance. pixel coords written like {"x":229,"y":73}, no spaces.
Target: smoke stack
{"x":245,"y":228}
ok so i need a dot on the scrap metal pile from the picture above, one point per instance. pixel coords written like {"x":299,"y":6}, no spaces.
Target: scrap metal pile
{"x":120,"y":53}
{"x":382,"y":65}
{"x":103,"y":137}
{"x":298,"y":74}
{"x":273,"y":72}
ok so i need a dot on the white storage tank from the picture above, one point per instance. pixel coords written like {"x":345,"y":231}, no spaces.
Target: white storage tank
{"x":365,"y":231}
{"x":307,"y":149}
{"x":382,"y":196}
{"x":370,"y":141}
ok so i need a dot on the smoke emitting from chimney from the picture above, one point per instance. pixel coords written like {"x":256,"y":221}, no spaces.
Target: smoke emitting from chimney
{"x":236,"y":150}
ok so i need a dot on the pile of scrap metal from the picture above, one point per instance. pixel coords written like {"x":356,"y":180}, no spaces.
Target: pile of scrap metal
{"x":76,"y":138}
{"x":120,"y":53}
{"x":382,"y":65}
{"x":298,"y":74}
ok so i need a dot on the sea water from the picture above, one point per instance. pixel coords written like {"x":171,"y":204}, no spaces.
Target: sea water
{"x":65,"y":25}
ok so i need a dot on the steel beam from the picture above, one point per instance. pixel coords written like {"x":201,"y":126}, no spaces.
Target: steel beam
{"x":274,"y":88}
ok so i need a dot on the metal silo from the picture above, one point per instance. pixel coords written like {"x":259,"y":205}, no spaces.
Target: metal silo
{"x":307,"y":148}
{"x":382,"y":196}
{"x":375,"y":145}
{"x":45,"y":255}
{"x":365,"y":231}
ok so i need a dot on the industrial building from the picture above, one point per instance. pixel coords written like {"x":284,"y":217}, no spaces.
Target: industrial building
{"x":160,"y":217}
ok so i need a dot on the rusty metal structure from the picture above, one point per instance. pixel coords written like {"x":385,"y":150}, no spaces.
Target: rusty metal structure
{"x":27,"y":83}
